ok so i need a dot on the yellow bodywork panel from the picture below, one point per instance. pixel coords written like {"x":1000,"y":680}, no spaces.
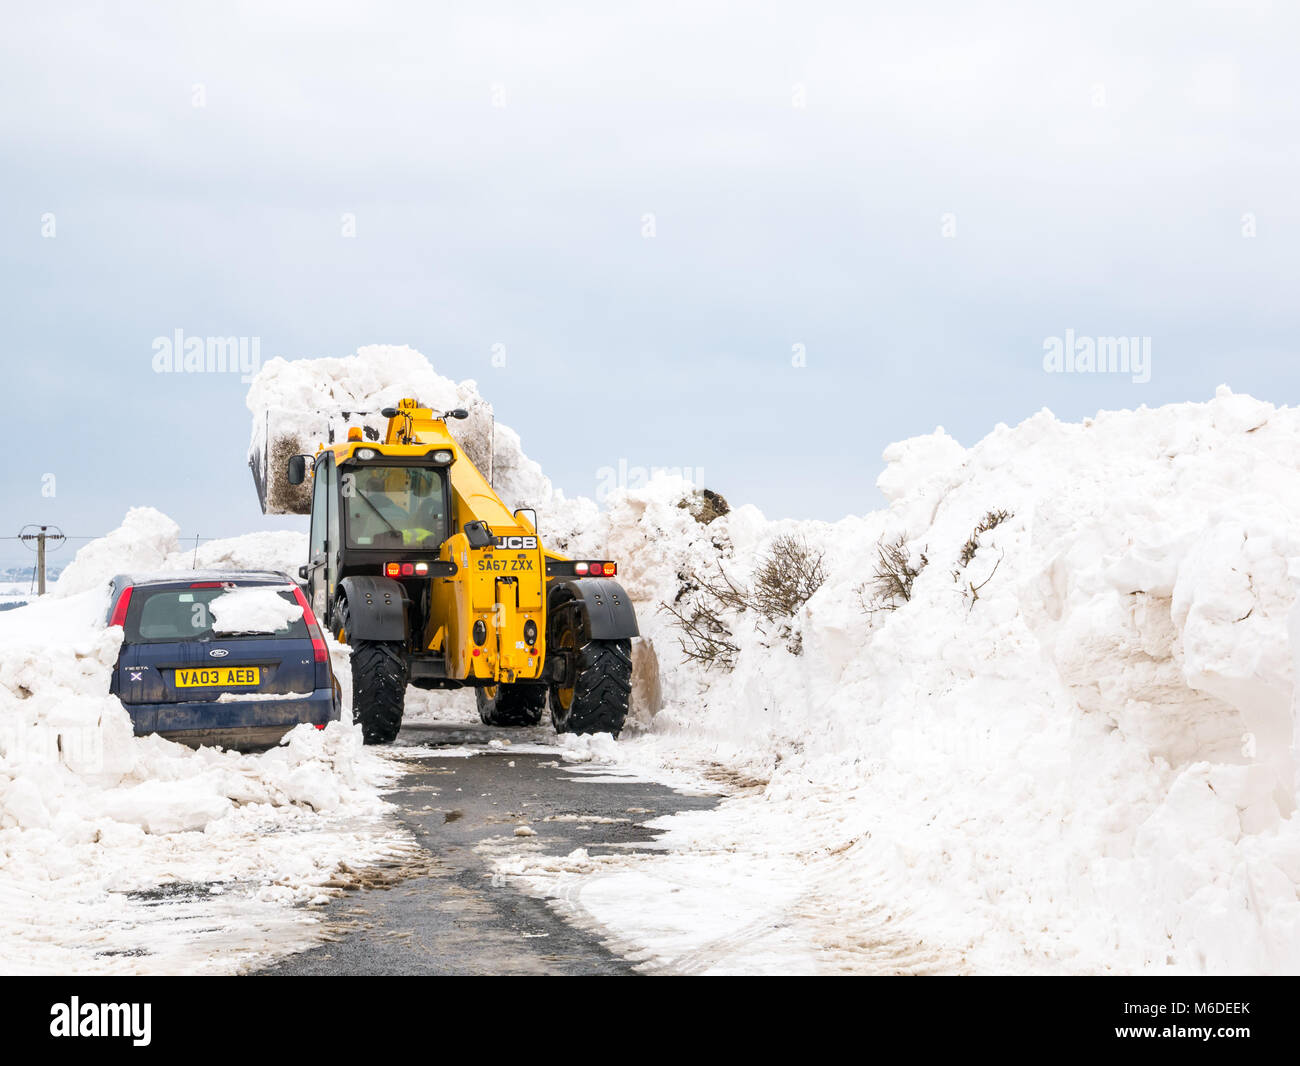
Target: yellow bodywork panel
{"x":503,"y":585}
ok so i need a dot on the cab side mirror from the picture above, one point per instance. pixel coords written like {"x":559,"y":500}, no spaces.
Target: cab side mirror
{"x":297,"y":471}
{"x":479,"y":535}
{"x":458,"y":412}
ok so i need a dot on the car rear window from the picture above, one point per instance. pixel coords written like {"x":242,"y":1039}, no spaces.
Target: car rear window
{"x":177,"y":614}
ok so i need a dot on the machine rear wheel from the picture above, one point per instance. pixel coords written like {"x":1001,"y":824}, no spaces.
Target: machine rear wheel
{"x":378,"y":689}
{"x":511,"y":705}
{"x":598,"y":700}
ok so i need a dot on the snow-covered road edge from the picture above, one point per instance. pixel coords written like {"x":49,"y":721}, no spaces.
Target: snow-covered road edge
{"x":134,"y":854}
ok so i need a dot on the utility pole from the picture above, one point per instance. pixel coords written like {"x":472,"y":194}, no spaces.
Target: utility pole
{"x":40,"y":536}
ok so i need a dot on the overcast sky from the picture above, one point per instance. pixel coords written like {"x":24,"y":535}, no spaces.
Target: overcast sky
{"x":920,"y":201}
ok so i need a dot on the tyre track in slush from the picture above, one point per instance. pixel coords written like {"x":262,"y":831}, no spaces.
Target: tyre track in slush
{"x":448,"y":914}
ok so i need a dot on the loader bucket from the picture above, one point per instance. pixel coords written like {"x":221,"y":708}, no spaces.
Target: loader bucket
{"x":279,"y":433}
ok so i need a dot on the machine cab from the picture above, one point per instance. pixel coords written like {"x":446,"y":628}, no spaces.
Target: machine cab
{"x":371,"y":510}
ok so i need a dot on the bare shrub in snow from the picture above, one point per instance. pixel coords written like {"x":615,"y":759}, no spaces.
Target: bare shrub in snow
{"x":786,"y":578}
{"x":699,"y":617}
{"x":894,"y":574}
{"x":991,"y":520}
{"x":974,"y":594}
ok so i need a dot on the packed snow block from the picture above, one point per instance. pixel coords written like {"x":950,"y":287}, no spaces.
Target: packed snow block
{"x":284,"y":433}
{"x":298,"y":404}
{"x":268,"y":459}
{"x":280,"y":433}
{"x":477,"y":435}
{"x":647,"y":693}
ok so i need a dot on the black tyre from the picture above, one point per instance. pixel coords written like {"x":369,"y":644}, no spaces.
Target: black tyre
{"x":511,"y":705}
{"x":378,"y":689}
{"x":339,"y":620}
{"x":598,"y":700}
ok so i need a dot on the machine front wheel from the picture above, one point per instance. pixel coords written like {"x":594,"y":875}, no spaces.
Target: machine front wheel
{"x":378,"y":689}
{"x":602,"y":688}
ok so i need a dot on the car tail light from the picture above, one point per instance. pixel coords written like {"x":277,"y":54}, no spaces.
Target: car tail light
{"x":611,"y":569}
{"x":421,"y":568}
{"x":408,"y":569}
{"x":206,"y":585}
{"x":119,"y":608}
{"x":392,"y":569}
{"x":580,"y":568}
{"x":319,"y":652}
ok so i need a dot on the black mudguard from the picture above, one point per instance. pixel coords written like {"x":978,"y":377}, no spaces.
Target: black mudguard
{"x":376,"y":608}
{"x":604,"y":608}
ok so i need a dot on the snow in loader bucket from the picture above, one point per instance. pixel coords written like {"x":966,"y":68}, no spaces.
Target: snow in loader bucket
{"x":281,"y":432}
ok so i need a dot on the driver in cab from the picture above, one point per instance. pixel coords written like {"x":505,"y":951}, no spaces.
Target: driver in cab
{"x":395,"y":505}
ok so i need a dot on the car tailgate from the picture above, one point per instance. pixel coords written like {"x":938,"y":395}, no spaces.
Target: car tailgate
{"x":156,"y":673}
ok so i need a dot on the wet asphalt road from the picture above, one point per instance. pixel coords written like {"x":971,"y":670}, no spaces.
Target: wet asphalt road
{"x":446,"y":914}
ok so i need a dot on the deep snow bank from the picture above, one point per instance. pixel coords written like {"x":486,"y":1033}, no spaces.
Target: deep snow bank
{"x":89,"y":812}
{"x":1073,"y":752}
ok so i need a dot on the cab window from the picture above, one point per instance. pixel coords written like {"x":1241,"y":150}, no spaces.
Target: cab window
{"x":394,"y":506}
{"x":319,"y":504}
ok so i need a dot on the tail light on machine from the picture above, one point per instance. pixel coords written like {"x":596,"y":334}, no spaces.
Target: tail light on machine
{"x":590,"y":569}
{"x":406,"y":569}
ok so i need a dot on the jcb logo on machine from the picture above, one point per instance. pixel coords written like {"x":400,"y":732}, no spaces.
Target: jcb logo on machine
{"x":516,"y":542}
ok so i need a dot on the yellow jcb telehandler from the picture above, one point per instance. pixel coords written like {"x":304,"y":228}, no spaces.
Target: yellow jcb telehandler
{"x":418,"y":566}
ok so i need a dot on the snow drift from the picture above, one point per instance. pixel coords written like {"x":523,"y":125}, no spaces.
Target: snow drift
{"x":1069,"y":748}
{"x":1072,"y":747}
{"x":90,"y":813}
{"x":1072,"y":751}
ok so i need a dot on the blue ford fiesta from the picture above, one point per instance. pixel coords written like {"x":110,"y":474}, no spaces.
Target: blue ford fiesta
{"x":193,"y":671}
